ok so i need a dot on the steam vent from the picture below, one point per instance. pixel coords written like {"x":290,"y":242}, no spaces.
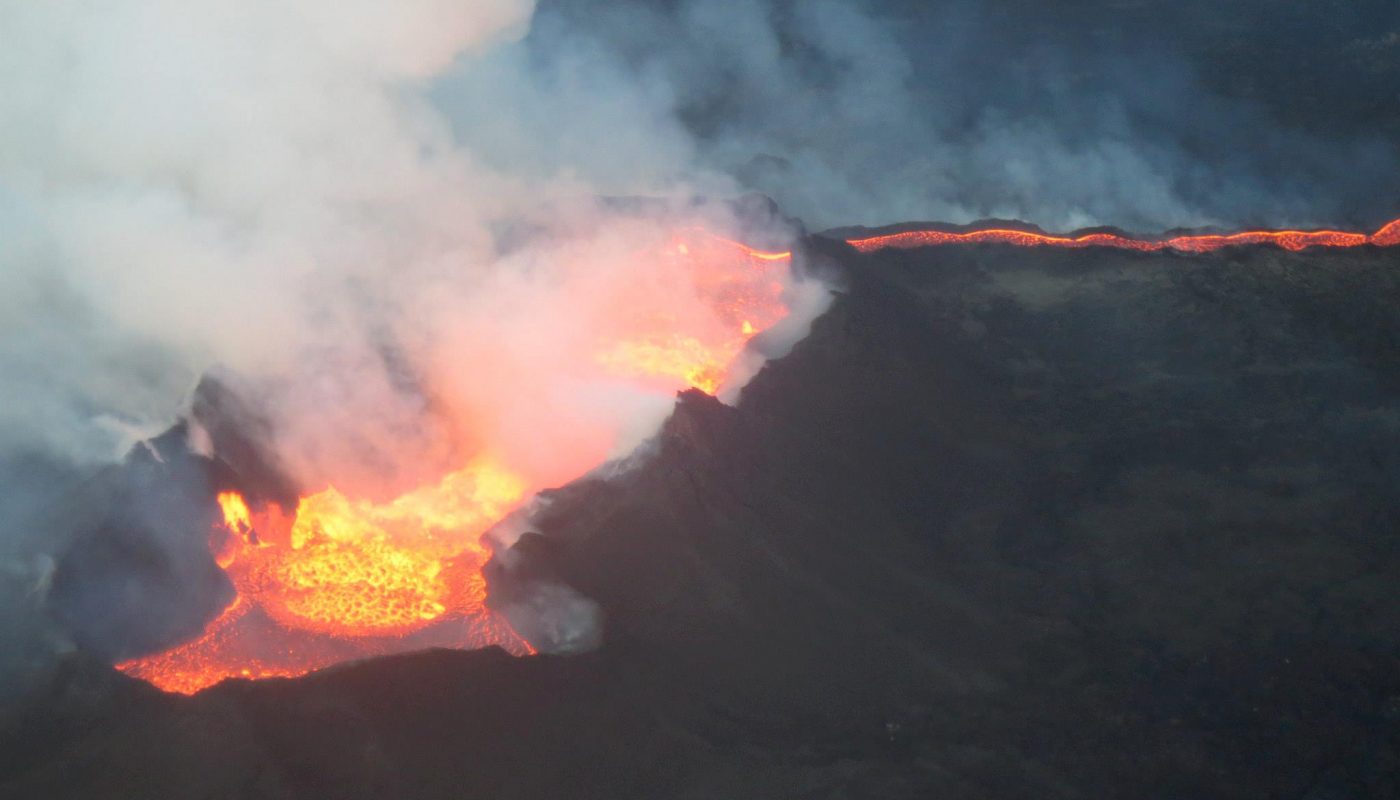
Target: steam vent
{"x":570,"y":399}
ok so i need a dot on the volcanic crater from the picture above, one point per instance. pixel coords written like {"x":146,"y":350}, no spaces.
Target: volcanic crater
{"x":1010,"y":521}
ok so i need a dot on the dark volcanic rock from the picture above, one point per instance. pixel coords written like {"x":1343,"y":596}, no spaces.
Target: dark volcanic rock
{"x":139,"y":577}
{"x":1008,"y":523}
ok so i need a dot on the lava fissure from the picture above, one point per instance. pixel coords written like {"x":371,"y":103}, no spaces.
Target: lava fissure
{"x":1387,"y":236}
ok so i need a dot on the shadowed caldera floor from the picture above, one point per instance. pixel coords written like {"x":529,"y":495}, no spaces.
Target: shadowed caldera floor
{"x":1009,"y":523}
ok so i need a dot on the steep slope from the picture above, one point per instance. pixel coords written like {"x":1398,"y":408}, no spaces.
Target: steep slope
{"x":1009,"y":522}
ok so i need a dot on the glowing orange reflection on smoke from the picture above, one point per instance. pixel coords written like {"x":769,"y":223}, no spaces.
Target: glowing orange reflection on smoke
{"x":341,"y":578}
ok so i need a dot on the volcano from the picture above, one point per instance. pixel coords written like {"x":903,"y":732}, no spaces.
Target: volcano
{"x":1089,"y":521}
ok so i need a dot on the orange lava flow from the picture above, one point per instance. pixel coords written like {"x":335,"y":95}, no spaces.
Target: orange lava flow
{"x":1387,"y":236}
{"x":660,"y":348}
{"x":340,"y":578}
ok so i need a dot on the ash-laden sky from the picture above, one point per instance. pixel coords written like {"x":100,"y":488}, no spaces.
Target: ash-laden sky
{"x":1144,"y":114}
{"x":324,"y":198}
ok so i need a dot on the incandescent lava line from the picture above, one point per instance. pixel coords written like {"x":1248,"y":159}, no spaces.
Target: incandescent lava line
{"x":1387,"y":236}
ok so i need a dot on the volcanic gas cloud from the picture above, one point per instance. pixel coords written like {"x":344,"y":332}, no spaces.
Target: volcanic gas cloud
{"x":276,"y":196}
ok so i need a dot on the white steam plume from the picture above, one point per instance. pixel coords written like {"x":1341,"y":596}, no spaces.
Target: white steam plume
{"x":180,"y":178}
{"x":270,"y":189}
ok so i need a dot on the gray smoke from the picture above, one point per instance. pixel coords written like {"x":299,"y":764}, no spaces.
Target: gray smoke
{"x":1145,"y":115}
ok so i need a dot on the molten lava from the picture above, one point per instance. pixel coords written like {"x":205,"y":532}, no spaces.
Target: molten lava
{"x":1387,"y":236}
{"x":340,"y":578}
